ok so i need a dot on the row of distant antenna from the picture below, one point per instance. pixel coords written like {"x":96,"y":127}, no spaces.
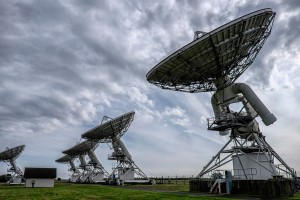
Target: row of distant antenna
{"x":109,"y":131}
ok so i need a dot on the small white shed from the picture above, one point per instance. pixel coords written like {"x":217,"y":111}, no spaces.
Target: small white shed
{"x":39,"y":177}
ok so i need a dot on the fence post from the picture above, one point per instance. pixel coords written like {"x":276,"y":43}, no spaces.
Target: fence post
{"x":176,"y":180}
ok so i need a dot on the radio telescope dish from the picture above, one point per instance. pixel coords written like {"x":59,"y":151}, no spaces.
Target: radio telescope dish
{"x":12,"y":153}
{"x":111,"y":128}
{"x":81,"y":148}
{"x":92,"y":171}
{"x":225,"y":53}
{"x":213,"y":62}
{"x":64,"y":159}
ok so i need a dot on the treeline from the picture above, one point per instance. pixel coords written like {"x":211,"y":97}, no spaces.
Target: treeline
{"x":3,"y":178}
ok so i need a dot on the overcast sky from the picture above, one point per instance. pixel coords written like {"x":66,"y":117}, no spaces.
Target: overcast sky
{"x":65,"y":64}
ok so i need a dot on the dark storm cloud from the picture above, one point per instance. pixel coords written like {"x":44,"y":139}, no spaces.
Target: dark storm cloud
{"x":40,"y":63}
{"x":111,"y":43}
{"x":292,"y":32}
{"x":52,"y":53}
{"x":291,"y":4}
{"x":40,"y":13}
{"x":284,"y":36}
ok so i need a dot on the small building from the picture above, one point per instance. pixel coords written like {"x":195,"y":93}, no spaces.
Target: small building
{"x":39,"y":177}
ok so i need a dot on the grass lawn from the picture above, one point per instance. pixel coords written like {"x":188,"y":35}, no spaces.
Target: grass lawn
{"x":82,"y":191}
{"x":296,"y":196}
{"x":180,"y":187}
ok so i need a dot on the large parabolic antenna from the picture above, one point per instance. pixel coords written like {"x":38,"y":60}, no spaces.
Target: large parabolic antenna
{"x":93,"y":171}
{"x":111,"y":130}
{"x":10,"y":156}
{"x":226,"y":51}
{"x":66,"y":159}
{"x":81,"y":148}
{"x":213,"y":62}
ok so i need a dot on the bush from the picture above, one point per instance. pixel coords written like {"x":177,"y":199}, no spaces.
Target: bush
{"x":3,"y":178}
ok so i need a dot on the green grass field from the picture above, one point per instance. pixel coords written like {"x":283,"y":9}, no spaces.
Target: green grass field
{"x":87,"y":191}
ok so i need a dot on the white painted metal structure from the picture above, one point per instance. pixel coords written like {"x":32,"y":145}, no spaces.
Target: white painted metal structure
{"x":86,"y":170}
{"x":66,"y":159}
{"x":10,"y":156}
{"x":111,"y":130}
{"x":254,"y":171}
{"x":212,"y":62}
{"x":92,"y":172}
{"x":99,"y":174}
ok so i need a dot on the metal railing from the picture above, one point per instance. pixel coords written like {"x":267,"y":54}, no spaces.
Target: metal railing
{"x":228,"y":120}
{"x":183,"y":180}
{"x":249,"y":172}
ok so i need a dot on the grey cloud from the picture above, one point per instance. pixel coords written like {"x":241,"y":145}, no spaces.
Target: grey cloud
{"x":280,"y":37}
{"x":46,"y":14}
{"x":291,"y":4}
{"x":53,"y":56}
{"x":292,"y":32}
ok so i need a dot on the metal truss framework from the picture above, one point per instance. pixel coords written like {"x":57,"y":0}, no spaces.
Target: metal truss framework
{"x":126,"y":168}
{"x":254,"y":143}
{"x":98,"y":172}
{"x":16,"y":174}
{"x":123,"y":169}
